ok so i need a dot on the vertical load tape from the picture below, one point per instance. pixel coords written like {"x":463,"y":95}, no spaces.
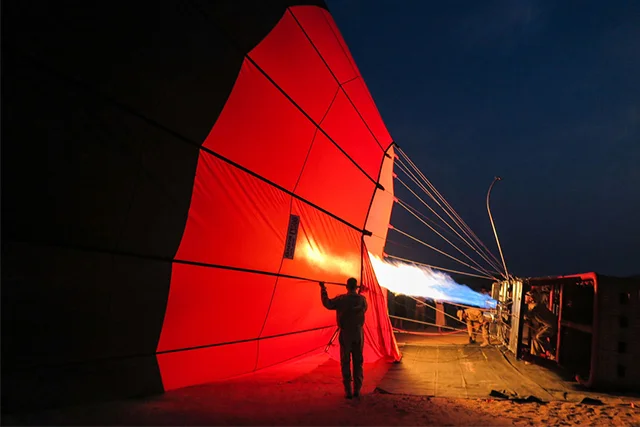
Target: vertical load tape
{"x":292,"y":236}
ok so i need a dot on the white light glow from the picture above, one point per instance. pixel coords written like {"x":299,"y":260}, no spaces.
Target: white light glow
{"x":323,"y":261}
{"x":420,"y":281}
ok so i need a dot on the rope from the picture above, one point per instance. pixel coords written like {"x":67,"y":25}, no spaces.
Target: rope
{"x":425,"y":323}
{"x":434,"y":190}
{"x":447,"y":204}
{"x":423,"y":188}
{"x":333,"y":337}
{"x":404,"y":331}
{"x":434,"y":223}
{"x":436,"y":309}
{"x":436,"y":268}
{"x":436,"y":249}
{"x":401,"y":203}
{"x":459,"y":222}
{"x":445,"y":313}
{"x":439,"y":326}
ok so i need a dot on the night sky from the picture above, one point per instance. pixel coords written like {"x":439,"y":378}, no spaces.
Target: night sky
{"x":544,"y":94}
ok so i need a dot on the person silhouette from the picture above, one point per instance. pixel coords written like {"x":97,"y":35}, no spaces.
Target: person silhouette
{"x":350,"y":310}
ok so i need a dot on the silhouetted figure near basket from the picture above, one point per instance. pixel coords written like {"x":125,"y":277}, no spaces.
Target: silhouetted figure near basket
{"x":475,"y":320}
{"x":350,"y":309}
{"x":544,"y":324}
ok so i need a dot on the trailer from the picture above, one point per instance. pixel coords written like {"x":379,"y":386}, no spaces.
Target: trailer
{"x":598,"y":326}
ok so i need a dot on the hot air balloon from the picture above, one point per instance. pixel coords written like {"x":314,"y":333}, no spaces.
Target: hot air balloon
{"x":177,"y":177}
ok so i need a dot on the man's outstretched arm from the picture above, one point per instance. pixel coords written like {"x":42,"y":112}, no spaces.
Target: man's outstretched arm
{"x":326,"y":301}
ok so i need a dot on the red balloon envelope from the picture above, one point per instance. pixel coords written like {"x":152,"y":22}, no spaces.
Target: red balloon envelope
{"x":176,"y":181}
{"x":299,"y":140}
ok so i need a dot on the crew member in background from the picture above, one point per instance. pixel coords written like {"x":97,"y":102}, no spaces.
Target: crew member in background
{"x":489,"y":324}
{"x":542,"y":322}
{"x":350,"y":309}
{"x":475,"y":320}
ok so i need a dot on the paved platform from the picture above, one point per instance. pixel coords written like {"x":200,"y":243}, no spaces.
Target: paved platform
{"x":457,"y":371}
{"x":309,"y":392}
{"x":448,"y":366}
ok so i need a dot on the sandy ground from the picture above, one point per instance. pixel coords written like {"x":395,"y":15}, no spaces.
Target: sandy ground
{"x":309,"y":393}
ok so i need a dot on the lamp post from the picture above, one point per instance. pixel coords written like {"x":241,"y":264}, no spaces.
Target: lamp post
{"x":495,"y":233}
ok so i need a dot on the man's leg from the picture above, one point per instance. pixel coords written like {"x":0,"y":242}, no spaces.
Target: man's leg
{"x":538,"y":340}
{"x":358,"y":361}
{"x":485,"y":334}
{"x":345,"y":362}
{"x":541,"y":339}
{"x":536,"y":346}
{"x":470,"y":331}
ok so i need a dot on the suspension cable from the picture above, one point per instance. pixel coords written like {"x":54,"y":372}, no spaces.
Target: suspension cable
{"x":435,"y":191}
{"x":426,"y":334}
{"x":472,"y":245}
{"x":435,"y":249}
{"x":401,"y":203}
{"x":439,"y":268}
{"x":434,"y":223}
{"x":427,"y":205}
{"x":436,"y":309}
{"x":440,"y":311}
{"x":413,"y":178}
{"x":425,"y":323}
{"x":443,"y":220}
{"x":461,"y":221}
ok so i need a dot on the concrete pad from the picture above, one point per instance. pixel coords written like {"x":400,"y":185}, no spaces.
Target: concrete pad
{"x":448,"y":366}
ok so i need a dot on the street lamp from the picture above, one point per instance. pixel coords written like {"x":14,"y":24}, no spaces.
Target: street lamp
{"x":504,"y":264}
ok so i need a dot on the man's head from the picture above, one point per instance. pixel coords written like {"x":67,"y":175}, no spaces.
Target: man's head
{"x":352,"y":284}
{"x":531,"y":298}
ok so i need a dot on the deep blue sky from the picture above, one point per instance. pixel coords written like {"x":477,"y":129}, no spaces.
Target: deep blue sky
{"x":544,"y":93}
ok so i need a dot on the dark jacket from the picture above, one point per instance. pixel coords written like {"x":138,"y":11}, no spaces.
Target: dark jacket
{"x":540,"y":315}
{"x":350,"y":309}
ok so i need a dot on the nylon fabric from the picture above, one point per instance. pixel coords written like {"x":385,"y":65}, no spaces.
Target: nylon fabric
{"x":379,"y":338}
{"x":343,"y":45}
{"x":326,"y":249}
{"x":234,"y":219}
{"x":380,"y":212}
{"x":240,"y":220}
{"x":201,"y":296}
{"x":143,"y":192}
{"x":280,"y":349}
{"x":303,"y":76}
{"x":260,"y":129}
{"x":346,"y":128}
{"x":379,"y":341}
{"x":359,"y":94}
{"x":201,"y":365}
{"x":349,"y":202}
{"x":317,"y":26}
{"x":286,"y":308}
